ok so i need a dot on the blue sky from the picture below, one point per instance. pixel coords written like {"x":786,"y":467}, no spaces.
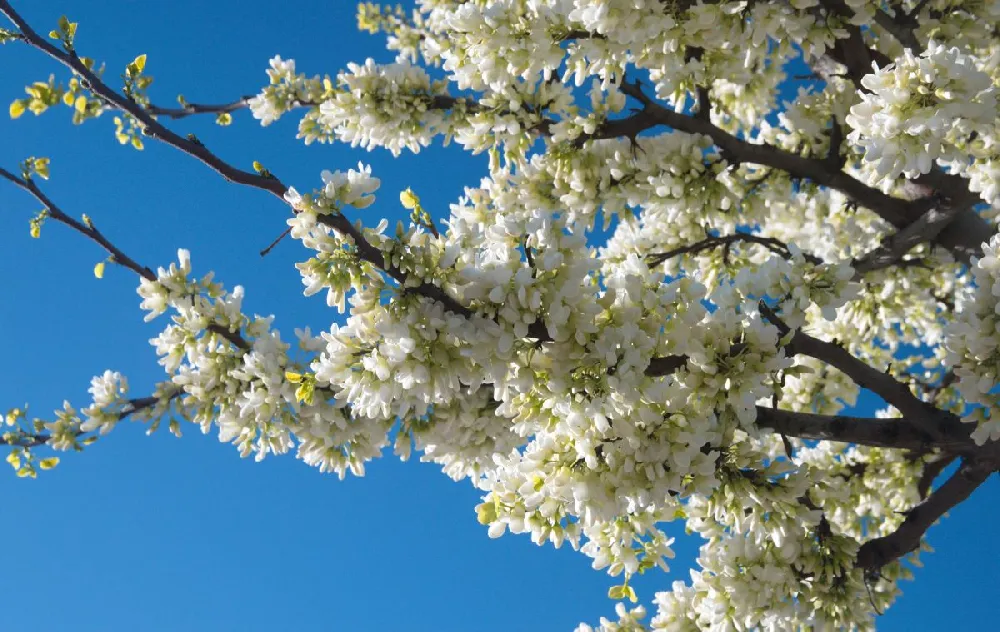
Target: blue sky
{"x":157,"y":533}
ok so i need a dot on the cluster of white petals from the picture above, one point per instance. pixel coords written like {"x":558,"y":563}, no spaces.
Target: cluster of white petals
{"x":973,"y":347}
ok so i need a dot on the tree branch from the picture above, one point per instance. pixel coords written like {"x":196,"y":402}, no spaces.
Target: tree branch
{"x":938,"y":424}
{"x":896,"y":211}
{"x":191,"y":109}
{"x":131,"y":407}
{"x":876,"y":553}
{"x":901,"y":433}
{"x":87,"y":230}
{"x":923,"y":230}
{"x":932,"y":470}
{"x":117,"y":256}
{"x":776,"y":246}
{"x":264,"y":182}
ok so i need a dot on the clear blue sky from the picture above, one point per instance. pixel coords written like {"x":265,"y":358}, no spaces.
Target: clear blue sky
{"x":157,"y":533}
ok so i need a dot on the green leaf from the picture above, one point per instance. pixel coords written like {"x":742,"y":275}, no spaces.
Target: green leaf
{"x":99,"y":270}
{"x":224,"y":118}
{"x":140,"y":62}
{"x":80,"y":104}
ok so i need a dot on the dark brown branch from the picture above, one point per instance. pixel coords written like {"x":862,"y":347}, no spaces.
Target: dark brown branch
{"x":87,"y":230}
{"x":704,"y":113}
{"x":898,"y":212}
{"x":894,"y":247}
{"x":876,"y":553}
{"x":931,"y":471}
{"x":776,"y":246}
{"x":834,"y":157}
{"x":902,"y":32}
{"x":901,"y":433}
{"x":117,"y":256}
{"x":131,"y":407}
{"x":658,"y":367}
{"x":938,"y":425}
{"x":233,"y":337}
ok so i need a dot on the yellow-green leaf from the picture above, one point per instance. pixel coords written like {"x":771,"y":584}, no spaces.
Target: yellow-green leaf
{"x":630,"y":593}
{"x":140,"y":62}
{"x":486,"y":513}
{"x":293,"y":377}
{"x":80,"y":104}
{"x":41,"y":167}
{"x":99,"y":270}
{"x":224,"y":118}
{"x":409,"y":199}
{"x":17,"y":108}
{"x":49,"y":463}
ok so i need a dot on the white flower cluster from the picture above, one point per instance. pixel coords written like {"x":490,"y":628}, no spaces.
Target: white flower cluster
{"x":287,"y":90}
{"x":972,"y":341}
{"x":922,"y":109}
{"x":396,"y":106}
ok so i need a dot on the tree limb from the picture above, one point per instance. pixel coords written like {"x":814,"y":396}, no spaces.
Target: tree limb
{"x":898,"y":212}
{"x":131,"y":407}
{"x":90,"y":231}
{"x":265,"y":181}
{"x":937,"y":424}
{"x":923,"y":230}
{"x":876,"y":553}
{"x":901,"y":433}
{"x":87,"y":230}
{"x":776,"y":246}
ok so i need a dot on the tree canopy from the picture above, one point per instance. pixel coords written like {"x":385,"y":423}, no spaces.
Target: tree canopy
{"x":705,"y":228}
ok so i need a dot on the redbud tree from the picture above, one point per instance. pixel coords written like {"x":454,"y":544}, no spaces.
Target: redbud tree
{"x":652,"y":311}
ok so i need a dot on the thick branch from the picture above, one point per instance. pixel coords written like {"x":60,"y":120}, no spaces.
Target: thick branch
{"x":892,"y":248}
{"x":937,"y":424}
{"x":876,"y":553}
{"x":898,"y":212}
{"x":899,"y":433}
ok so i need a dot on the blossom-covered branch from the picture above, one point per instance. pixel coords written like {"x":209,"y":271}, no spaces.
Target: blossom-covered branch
{"x":597,"y":384}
